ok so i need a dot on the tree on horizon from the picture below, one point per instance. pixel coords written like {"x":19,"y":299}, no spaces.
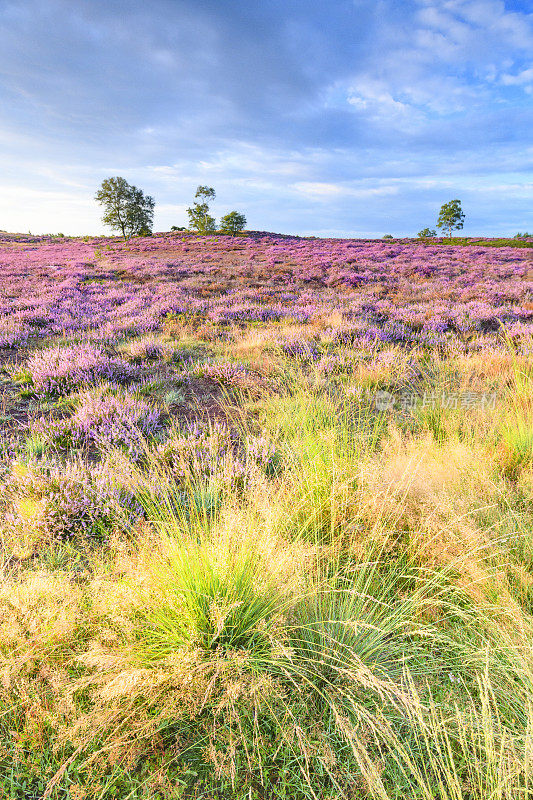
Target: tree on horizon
{"x":126,"y":208}
{"x":451,"y":216}
{"x":199,"y":216}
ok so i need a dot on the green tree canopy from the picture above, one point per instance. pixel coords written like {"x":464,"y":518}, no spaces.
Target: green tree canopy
{"x":199,"y":217}
{"x":206,"y":193}
{"x":426,"y":233}
{"x":126,"y":208}
{"x":232,"y":223}
{"x":451,"y":216}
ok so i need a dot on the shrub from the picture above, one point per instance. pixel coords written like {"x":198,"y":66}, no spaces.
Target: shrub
{"x":334,"y":365}
{"x":147,"y":349}
{"x":209,"y":451}
{"x":48,"y":501}
{"x":60,"y":370}
{"x":262,"y":453}
{"x":105,"y":421}
{"x":198,"y":451}
{"x":303,"y":350}
{"x":13,"y":334}
{"x":225,"y":373}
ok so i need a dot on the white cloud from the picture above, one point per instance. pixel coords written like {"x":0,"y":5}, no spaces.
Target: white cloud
{"x":373,"y":95}
{"x":519,"y":79}
{"x":377,"y":121}
{"x":321,"y":191}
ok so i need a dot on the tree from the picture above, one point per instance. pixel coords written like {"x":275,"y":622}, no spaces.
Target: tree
{"x":141,"y":213}
{"x":387,"y":236}
{"x":451,"y":216}
{"x":126,"y":208}
{"x":232,"y":223}
{"x":426,"y":233}
{"x":199,"y":216}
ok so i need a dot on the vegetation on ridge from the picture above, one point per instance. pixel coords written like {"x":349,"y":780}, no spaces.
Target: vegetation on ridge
{"x":267,"y":519}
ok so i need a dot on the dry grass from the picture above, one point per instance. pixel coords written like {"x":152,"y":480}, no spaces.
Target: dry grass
{"x":356,"y":624}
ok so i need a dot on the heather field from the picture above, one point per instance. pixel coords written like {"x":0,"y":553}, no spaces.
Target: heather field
{"x":267,"y":520}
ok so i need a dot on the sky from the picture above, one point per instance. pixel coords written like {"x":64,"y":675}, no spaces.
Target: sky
{"x":313,"y":117}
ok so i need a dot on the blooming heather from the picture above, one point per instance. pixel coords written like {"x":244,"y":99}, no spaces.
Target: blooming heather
{"x":210,"y":451}
{"x":302,"y":350}
{"x":58,"y":501}
{"x":198,"y":450}
{"x":60,"y":370}
{"x":13,"y":334}
{"x":410,"y":293}
{"x":147,"y":349}
{"x":105,"y":421}
{"x":225,"y":373}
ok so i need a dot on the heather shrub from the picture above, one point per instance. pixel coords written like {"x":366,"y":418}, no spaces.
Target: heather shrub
{"x":302,"y":350}
{"x":147,"y":349}
{"x":264,"y":454}
{"x":49,"y":501}
{"x":207,"y":451}
{"x":13,"y":334}
{"x":105,"y":420}
{"x":330,"y":365}
{"x":225,"y":373}
{"x":197,"y":451}
{"x":351,"y":335}
{"x":60,"y":370}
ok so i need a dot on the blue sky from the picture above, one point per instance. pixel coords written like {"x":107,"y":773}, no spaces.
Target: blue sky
{"x":327,"y":117}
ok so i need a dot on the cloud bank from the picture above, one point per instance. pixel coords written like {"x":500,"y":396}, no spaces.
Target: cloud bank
{"x":340,"y":118}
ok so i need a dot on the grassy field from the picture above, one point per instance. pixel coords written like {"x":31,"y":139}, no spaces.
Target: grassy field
{"x":274,"y":541}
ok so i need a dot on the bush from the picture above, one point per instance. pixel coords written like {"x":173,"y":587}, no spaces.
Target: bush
{"x":60,"y":370}
{"x":232,"y":223}
{"x":105,"y":421}
{"x":13,"y":334}
{"x":226,"y":373}
{"x":196,"y":452}
{"x":147,"y":349}
{"x":48,"y":501}
{"x":201,"y":452}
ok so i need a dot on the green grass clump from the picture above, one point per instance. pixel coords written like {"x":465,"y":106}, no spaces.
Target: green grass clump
{"x":212,"y":597}
{"x":346,"y":617}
